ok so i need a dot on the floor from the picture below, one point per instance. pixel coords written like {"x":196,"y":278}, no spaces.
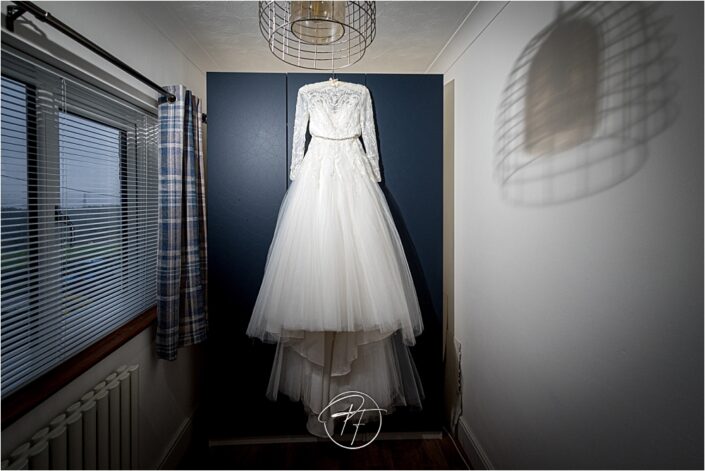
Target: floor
{"x":429,"y":453}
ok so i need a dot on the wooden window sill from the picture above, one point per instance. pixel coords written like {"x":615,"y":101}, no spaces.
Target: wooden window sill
{"x":38,"y":390}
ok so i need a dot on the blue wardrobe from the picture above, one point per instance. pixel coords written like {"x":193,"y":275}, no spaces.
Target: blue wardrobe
{"x":250,"y":126}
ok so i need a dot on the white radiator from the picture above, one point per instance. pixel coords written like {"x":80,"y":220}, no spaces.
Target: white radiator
{"x":99,"y":431}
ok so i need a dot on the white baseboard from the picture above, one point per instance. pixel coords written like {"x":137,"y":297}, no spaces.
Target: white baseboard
{"x":179,"y":445}
{"x":472,"y":448}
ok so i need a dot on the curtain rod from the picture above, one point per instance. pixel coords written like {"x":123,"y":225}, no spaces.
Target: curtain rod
{"x":20,"y":8}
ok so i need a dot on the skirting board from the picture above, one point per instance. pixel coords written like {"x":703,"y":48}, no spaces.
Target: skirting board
{"x":472,"y":448}
{"x":179,"y":446}
{"x":311,"y":438}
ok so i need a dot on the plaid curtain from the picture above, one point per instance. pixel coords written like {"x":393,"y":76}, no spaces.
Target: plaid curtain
{"x":182,"y":309}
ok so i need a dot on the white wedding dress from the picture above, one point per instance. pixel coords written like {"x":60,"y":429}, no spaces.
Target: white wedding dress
{"x":337,"y":295}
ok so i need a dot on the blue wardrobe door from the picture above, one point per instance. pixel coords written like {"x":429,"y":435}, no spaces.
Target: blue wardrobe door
{"x":408,"y":113}
{"x":247,"y":174}
{"x":246,"y":182}
{"x":409,"y":116}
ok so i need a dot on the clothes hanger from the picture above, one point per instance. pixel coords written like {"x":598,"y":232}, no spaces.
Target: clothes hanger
{"x":333,"y":79}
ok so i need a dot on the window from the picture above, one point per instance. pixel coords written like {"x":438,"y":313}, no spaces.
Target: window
{"x":79,"y":216}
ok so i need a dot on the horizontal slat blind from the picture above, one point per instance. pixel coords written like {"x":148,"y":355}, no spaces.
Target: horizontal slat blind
{"x":79,"y":216}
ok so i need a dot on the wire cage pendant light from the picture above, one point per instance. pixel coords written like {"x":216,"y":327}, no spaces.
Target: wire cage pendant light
{"x":318,"y":35}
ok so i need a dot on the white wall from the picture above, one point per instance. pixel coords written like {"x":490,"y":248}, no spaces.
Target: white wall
{"x":170,"y":391}
{"x":581,"y":323}
{"x":124,"y":30}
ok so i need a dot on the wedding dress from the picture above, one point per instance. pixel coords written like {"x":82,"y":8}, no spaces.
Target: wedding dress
{"x":337,"y":295}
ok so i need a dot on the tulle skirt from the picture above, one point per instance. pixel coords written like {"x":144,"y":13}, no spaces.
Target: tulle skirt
{"x":337,"y":294}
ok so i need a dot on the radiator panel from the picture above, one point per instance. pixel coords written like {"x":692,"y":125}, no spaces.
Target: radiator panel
{"x":99,"y":431}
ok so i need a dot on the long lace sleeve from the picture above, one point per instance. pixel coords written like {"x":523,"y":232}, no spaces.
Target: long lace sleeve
{"x":369,"y":137}
{"x":299,"y":140}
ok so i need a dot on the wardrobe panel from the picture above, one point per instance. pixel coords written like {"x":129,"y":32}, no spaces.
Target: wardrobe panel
{"x":408,"y":113}
{"x":246,"y":181}
{"x":246,"y":171}
{"x":409,"y":116}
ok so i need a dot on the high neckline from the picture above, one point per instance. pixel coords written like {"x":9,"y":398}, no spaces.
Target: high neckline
{"x":334,"y":84}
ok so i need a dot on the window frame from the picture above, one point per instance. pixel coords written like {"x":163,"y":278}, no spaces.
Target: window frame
{"x":33,"y":392}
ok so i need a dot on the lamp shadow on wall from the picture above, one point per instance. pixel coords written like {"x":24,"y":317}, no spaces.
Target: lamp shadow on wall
{"x":582,"y":101}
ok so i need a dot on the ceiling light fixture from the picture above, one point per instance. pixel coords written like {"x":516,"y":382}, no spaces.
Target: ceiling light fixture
{"x":326,"y":35}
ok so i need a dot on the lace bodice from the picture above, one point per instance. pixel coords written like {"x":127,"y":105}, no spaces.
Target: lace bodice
{"x":338,"y":111}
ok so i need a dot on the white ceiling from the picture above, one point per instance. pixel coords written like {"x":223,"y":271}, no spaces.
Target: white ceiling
{"x":225,"y":36}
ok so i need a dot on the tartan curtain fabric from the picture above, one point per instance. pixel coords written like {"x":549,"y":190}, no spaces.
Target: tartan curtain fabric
{"x":182,"y":309}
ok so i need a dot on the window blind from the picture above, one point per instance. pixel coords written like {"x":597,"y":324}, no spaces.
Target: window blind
{"x":79,"y":215}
